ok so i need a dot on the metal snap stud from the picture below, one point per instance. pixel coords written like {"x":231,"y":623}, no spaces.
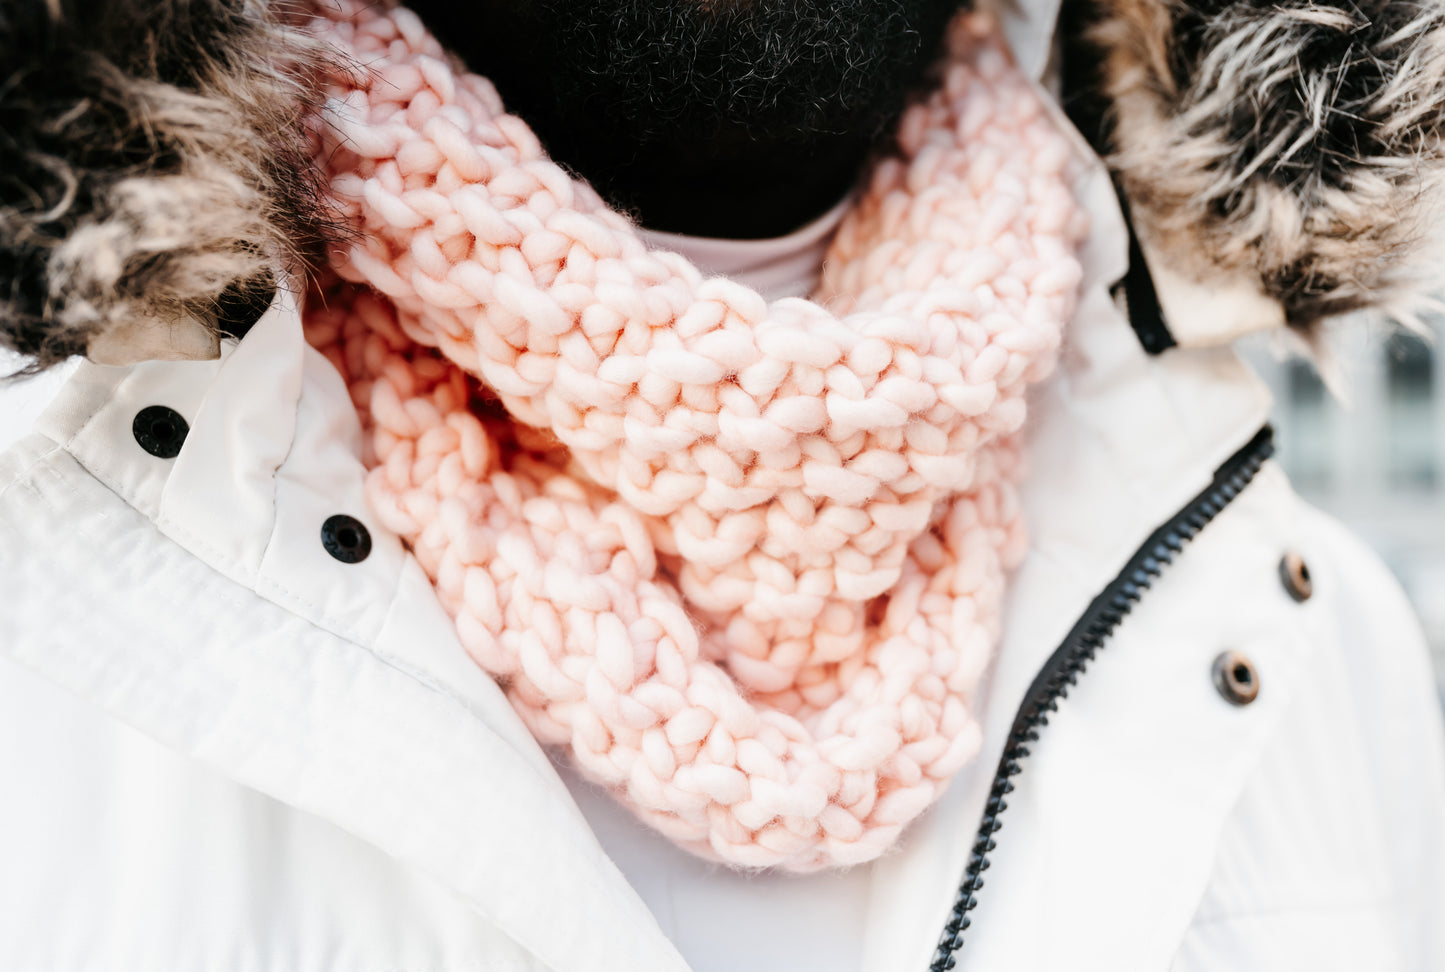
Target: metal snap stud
{"x":346,"y":539}
{"x":160,"y":431}
{"x":1294,"y":573}
{"x":1236,"y":678}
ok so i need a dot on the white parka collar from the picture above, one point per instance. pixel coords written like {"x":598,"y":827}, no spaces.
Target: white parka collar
{"x":1200,"y":314}
{"x":338,"y":688}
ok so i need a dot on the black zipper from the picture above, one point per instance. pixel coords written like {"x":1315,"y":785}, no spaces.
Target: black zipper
{"x":1072,"y":656}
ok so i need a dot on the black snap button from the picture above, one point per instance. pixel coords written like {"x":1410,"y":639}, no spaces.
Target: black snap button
{"x":346,"y":539}
{"x":1235,"y":678}
{"x":1295,"y":575}
{"x":160,"y":431}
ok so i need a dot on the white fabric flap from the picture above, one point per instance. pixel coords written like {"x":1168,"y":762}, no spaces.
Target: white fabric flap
{"x":193,"y":599}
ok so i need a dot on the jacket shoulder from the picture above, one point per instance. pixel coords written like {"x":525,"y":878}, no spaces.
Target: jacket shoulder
{"x":1334,"y":855}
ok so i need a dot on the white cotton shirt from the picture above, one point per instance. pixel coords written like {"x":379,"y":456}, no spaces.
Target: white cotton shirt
{"x":783,"y":266}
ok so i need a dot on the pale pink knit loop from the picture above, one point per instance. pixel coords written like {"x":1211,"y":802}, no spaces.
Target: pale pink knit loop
{"x":745,"y":559}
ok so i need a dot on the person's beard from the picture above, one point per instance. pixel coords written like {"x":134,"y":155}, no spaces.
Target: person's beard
{"x":726,"y":118}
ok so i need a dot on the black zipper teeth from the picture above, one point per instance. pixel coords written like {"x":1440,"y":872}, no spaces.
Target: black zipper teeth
{"x":1071,"y":658}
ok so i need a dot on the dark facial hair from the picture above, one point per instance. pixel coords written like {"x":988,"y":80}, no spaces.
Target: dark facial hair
{"x":737,"y":118}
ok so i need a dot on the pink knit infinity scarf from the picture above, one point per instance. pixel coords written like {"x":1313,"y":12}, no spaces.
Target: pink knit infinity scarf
{"x":745,"y":560}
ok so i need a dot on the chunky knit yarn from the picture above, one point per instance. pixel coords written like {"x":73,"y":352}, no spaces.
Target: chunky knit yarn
{"x":744,"y":560}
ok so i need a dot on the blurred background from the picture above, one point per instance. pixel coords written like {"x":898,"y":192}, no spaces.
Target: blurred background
{"x":1377,"y":459}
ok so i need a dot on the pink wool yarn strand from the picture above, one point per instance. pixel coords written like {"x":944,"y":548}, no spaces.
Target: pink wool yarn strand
{"x":745,"y":560}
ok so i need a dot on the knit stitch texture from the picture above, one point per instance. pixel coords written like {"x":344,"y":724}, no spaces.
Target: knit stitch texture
{"x":744,"y":560}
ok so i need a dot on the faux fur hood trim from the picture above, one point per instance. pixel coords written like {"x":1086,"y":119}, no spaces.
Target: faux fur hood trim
{"x":1297,"y":142}
{"x":155,"y":164}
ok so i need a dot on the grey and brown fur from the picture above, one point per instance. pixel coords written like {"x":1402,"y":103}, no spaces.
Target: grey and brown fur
{"x":153,"y":159}
{"x":1295,"y":142}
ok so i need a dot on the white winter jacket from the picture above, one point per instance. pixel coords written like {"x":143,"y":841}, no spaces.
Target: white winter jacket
{"x":224,"y":749}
